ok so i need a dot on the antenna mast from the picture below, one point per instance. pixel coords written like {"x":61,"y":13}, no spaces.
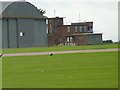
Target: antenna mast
{"x":54,"y":13}
{"x":79,"y":17}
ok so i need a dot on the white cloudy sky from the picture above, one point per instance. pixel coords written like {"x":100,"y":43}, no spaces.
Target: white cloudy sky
{"x":103,"y":13}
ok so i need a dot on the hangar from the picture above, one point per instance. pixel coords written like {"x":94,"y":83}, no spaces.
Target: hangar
{"x":23,"y":25}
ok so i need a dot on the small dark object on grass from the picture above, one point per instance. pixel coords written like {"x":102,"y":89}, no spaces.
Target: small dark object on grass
{"x":51,"y":54}
{"x":1,"y":55}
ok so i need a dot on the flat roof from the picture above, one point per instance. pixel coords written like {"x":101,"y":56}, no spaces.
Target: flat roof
{"x":79,"y":34}
{"x":55,"y":17}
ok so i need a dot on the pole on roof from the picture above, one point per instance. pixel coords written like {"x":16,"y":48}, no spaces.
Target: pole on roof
{"x":79,"y":17}
{"x":54,"y":13}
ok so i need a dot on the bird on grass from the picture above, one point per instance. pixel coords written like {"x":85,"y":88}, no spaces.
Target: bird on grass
{"x":51,"y":54}
{"x":1,"y":55}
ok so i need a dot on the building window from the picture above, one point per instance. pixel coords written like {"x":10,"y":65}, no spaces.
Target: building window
{"x":71,"y":39}
{"x":85,"y":29}
{"x":68,"y":40}
{"x":68,"y":28}
{"x":91,"y":29}
{"x":76,"y":28}
{"x":80,"y":28}
{"x":21,"y":34}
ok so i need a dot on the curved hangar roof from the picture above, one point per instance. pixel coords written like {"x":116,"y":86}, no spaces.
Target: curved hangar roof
{"x":21,"y":10}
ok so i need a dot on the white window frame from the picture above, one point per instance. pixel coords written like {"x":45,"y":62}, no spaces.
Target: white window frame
{"x":71,"y":39}
{"x":46,"y":21}
{"x":68,"y":39}
{"x":47,"y":29}
{"x":21,"y":34}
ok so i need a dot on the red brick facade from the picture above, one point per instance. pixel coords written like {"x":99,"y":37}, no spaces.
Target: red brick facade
{"x":74,"y":34}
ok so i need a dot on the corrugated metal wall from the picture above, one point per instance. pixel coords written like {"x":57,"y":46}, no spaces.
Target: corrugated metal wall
{"x":0,"y":34}
{"x":94,"y":39}
{"x":26,"y":26}
{"x":40,"y":34}
{"x":22,"y":17}
{"x":4,"y":33}
{"x":12,"y":33}
{"x":34,"y":33}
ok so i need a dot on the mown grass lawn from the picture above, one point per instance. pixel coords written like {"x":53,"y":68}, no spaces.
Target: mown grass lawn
{"x":79,"y":70}
{"x":0,"y":73}
{"x":59,"y":48}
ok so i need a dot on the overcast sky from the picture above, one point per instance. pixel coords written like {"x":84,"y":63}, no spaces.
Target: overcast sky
{"x":103,"y":13}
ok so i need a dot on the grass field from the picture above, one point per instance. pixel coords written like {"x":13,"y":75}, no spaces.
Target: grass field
{"x":79,"y":70}
{"x":59,"y":48}
{"x":0,"y":73}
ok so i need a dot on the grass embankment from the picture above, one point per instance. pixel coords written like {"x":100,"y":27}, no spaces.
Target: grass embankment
{"x":80,"y":70}
{"x":59,"y":48}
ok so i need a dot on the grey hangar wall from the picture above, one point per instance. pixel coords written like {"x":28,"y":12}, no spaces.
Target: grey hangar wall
{"x":23,"y":25}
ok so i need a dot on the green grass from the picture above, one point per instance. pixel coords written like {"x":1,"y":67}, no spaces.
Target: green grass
{"x":0,"y":73}
{"x":80,"y":70}
{"x":59,"y":48}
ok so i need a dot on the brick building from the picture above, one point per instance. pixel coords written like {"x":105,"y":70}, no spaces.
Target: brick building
{"x":75,"y":34}
{"x":53,"y":25}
